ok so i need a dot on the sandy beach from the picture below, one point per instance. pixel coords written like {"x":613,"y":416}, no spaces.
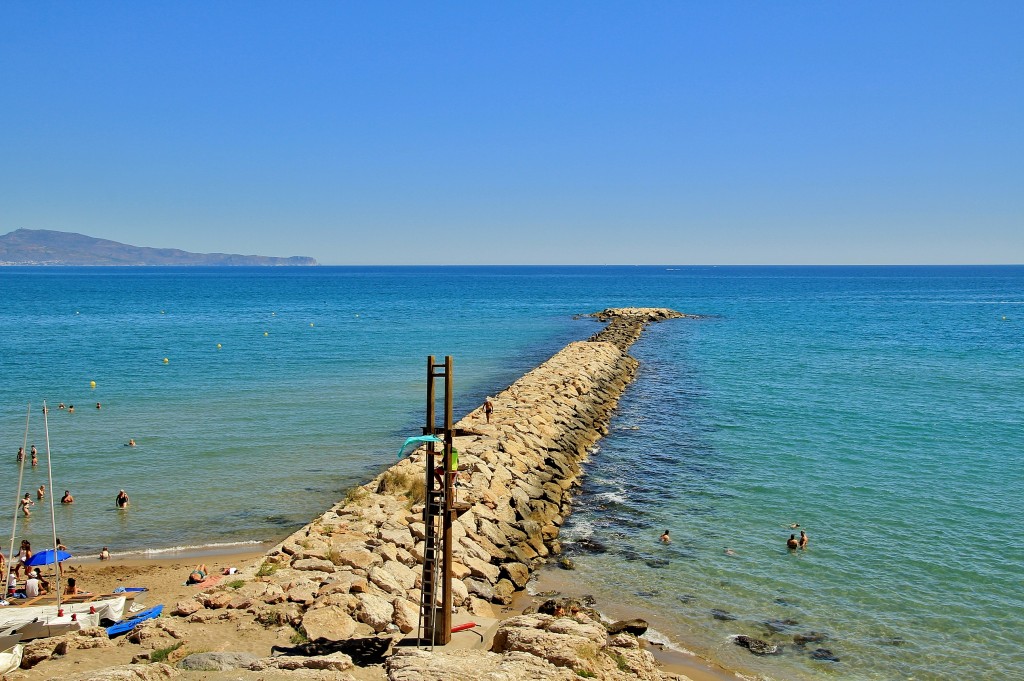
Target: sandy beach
{"x":165,"y":577}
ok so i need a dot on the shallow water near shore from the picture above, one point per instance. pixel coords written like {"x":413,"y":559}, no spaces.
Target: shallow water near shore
{"x":877,"y":407}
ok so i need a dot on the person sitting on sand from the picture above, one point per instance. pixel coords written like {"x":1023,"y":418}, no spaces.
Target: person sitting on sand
{"x":122,"y":499}
{"x":34,"y":586}
{"x":665,"y":539}
{"x":67,"y":498}
{"x":792,"y":543}
{"x":197,"y":575}
{"x":73,"y":589}
{"x":803,"y":539}
{"x":105,"y":554}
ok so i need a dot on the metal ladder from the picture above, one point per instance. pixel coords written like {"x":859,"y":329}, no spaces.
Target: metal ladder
{"x":430,"y":583}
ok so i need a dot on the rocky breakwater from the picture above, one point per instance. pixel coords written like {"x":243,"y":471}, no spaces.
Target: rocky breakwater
{"x":355,"y":571}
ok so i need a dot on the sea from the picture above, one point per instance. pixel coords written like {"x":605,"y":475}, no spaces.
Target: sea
{"x":881,"y":409}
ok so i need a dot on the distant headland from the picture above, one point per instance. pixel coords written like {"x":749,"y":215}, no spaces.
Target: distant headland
{"x":53,"y":248}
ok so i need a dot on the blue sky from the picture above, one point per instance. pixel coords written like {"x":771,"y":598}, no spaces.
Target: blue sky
{"x":548,"y":132}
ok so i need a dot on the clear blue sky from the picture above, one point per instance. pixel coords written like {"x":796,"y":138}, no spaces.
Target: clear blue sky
{"x":521,"y":132}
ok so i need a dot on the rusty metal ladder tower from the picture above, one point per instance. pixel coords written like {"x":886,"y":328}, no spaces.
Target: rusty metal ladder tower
{"x":435,"y":620}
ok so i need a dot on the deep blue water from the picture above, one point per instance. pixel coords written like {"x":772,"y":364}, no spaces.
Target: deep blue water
{"x":879,"y":407}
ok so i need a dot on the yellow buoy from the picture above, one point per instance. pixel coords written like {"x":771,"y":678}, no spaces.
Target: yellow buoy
{"x":218,"y":346}
{"x":92,"y":384}
{"x":311,"y":323}
{"x":166,"y":361}
{"x":265,"y":333}
{"x":162,"y":312}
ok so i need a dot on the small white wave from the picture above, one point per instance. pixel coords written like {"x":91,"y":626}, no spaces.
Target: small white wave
{"x":188,"y":548}
{"x":611,"y":497}
{"x":582,"y":528}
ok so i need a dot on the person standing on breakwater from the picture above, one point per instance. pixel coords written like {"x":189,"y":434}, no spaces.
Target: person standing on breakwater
{"x":488,"y":409}
{"x":803,"y":539}
{"x":122,"y":500}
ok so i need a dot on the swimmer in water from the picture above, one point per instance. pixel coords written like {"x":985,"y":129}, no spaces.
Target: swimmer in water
{"x":665,"y":539}
{"x":803,"y":539}
{"x":792,"y":543}
{"x":122,"y":499}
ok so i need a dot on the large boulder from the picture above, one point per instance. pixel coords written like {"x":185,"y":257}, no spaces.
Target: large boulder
{"x":128,"y":672}
{"x":332,"y":622}
{"x":216,"y":662}
{"x":412,"y":664}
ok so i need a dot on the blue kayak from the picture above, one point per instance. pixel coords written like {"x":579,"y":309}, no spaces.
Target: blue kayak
{"x":126,"y":625}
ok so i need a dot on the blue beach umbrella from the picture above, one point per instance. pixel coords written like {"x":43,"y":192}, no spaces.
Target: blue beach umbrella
{"x":47,"y":557}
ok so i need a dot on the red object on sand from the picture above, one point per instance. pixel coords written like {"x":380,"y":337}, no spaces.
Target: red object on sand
{"x":463,"y":627}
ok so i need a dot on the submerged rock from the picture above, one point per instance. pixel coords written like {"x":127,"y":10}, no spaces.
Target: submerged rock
{"x":823,"y":654}
{"x":775,"y":626}
{"x":722,"y":615}
{"x":809,"y":637}
{"x":592,"y":546}
{"x":756,"y":645}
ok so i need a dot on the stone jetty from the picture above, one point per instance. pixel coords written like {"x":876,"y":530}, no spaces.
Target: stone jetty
{"x":354,"y":572}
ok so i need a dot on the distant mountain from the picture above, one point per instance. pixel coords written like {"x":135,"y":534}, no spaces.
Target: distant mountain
{"x":48,"y":247}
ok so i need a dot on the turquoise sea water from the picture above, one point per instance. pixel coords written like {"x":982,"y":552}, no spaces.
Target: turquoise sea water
{"x":879,"y":407}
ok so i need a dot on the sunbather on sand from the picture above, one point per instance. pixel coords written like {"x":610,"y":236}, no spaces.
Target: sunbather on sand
{"x":197,"y":575}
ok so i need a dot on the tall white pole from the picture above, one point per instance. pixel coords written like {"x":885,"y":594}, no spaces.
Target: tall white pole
{"x":53,"y":518}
